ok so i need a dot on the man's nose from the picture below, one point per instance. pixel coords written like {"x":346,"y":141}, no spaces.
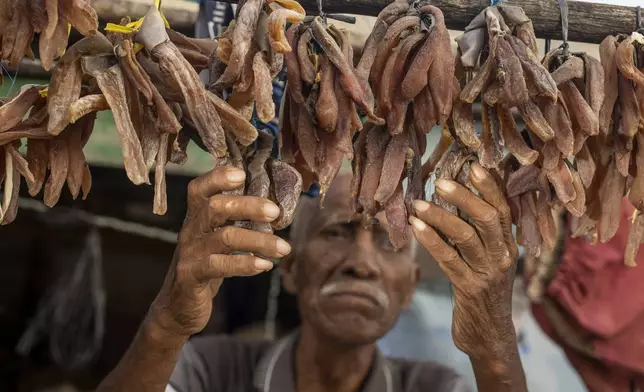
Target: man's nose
{"x":363,"y":261}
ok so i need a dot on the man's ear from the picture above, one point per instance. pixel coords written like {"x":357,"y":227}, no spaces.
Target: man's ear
{"x":288,"y":266}
{"x":409,"y":293}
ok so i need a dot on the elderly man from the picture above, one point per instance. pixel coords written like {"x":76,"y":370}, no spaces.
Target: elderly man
{"x":351,"y":285}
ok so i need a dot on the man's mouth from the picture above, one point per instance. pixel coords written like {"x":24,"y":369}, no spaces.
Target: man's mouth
{"x":363,"y":290}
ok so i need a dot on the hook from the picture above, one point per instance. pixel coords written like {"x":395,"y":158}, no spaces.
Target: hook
{"x":338,"y":17}
{"x":563,"y":6}
{"x":322,"y":14}
{"x":547,"y":46}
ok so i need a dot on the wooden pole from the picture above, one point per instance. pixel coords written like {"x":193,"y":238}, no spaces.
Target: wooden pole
{"x":588,"y":22}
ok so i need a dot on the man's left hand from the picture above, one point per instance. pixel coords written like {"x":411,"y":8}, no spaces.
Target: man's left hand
{"x":481,"y":264}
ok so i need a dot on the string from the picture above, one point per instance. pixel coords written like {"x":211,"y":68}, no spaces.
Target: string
{"x":547,"y":46}
{"x":322,"y":14}
{"x":13,"y":80}
{"x":563,"y":6}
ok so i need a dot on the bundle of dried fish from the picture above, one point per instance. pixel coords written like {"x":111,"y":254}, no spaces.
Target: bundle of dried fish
{"x":564,"y":174}
{"x":619,"y":150}
{"x":407,"y":59}
{"x":51,"y":19}
{"x":409,"y":62}
{"x":158,"y":103}
{"x":510,"y":76}
{"x":250,"y":55}
{"x":319,"y":113}
{"x":267,"y":178}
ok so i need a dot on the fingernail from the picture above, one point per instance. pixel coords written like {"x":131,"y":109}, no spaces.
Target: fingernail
{"x":271,"y":210}
{"x":445,"y":186}
{"x":417,"y":223}
{"x":282,"y":247}
{"x":235,"y":175}
{"x":478,"y":172}
{"x":421,"y":206}
{"x":263,"y":265}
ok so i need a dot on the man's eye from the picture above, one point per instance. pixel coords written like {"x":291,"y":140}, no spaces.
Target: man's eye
{"x":336,"y":233}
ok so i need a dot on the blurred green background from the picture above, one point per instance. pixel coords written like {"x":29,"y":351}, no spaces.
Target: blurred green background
{"x":104,"y":148}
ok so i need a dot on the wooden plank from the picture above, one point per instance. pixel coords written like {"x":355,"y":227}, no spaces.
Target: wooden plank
{"x":589,"y":22}
{"x":180,"y":13}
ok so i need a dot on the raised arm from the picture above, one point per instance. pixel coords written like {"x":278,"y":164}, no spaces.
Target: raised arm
{"x":481,"y":266}
{"x":202,"y":260}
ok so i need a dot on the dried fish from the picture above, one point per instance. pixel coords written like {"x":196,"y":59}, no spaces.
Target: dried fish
{"x":611,"y":193}
{"x":58,"y":169}
{"x":358,"y":90}
{"x":634,"y":240}
{"x":607,"y":51}
{"x":263,"y":88}
{"x":286,"y":187}
{"x":530,"y":230}
{"x":491,"y":153}
{"x":396,"y":214}
{"x":376,"y":141}
{"x":307,"y":68}
{"x":37,"y":158}
{"x":242,"y":36}
{"x":175,"y":67}
{"x":276,"y":23}
{"x":160,"y":196}
{"x":87,"y":104}
{"x":12,"y":112}
{"x":513,"y":140}
{"x":110,"y":79}
{"x":395,"y":156}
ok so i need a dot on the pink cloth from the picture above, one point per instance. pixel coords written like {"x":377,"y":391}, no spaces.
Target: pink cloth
{"x":593,"y":284}
{"x":604,"y":301}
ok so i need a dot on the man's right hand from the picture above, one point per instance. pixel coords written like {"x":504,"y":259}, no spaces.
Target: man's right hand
{"x":203,"y":257}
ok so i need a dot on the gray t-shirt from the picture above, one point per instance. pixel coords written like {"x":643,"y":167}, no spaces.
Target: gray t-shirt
{"x":226,"y":364}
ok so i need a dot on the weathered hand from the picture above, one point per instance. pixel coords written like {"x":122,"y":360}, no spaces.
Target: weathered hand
{"x":203,"y":257}
{"x":481,"y":265}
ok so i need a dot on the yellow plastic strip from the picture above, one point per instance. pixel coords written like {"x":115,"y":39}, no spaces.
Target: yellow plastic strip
{"x":43,"y":92}
{"x":133,"y":27}
{"x":116,"y":28}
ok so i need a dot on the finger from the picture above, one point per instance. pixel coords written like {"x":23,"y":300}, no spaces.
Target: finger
{"x":227,"y":266}
{"x":491,"y":192}
{"x":484,"y":216}
{"x":463,"y":235}
{"x":223,"y":208}
{"x":446,"y":257}
{"x":225,"y":178}
{"x":234,"y":239}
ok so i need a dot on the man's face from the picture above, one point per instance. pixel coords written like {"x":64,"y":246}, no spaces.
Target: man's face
{"x":351,"y":283}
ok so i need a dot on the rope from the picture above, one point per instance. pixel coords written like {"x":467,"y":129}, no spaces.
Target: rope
{"x":64,"y":215}
{"x":563,"y":6}
{"x":71,"y":314}
{"x":270,"y":321}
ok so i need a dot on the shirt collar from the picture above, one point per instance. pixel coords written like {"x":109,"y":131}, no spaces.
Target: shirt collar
{"x":275,"y":371}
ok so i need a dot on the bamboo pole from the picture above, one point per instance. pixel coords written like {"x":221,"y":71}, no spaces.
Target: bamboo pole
{"x":588,"y":22}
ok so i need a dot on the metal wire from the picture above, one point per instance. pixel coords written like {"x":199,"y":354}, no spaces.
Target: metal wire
{"x":563,"y":6}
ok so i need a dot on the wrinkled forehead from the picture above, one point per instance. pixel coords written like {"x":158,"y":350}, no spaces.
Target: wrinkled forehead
{"x":336,"y":208}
